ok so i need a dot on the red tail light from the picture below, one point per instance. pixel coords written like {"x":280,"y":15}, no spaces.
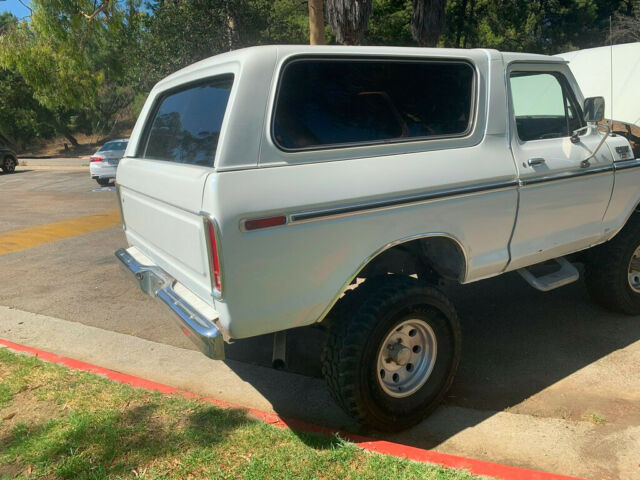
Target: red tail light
{"x":214,"y":261}
{"x":95,"y":159}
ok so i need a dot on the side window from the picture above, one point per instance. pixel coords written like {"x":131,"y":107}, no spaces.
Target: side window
{"x":341,"y":102}
{"x":186,"y":123}
{"x":543,"y":105}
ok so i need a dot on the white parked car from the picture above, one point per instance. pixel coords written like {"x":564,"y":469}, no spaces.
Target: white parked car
{"x":261,"y":186}
{"x":104,"y":163}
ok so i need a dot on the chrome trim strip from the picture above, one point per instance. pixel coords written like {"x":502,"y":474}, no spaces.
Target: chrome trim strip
{"x":554,"y":177}
{"x":157,"y":283}
{"x":354,"y":209}
{"x":398,"y":202}
{"x":625,"y":164}
{"x":206,"y":217}
{"x":367,"y":260}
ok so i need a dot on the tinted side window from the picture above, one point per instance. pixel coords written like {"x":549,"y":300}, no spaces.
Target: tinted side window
{"x":333,"y":102}
{"x":186,"y":124}
{"x":543,"y":106}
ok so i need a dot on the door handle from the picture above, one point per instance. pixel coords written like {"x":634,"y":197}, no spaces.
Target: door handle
{"x":535,"y":161}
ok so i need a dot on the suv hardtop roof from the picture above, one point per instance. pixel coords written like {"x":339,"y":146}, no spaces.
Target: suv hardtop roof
{"x":281,"y":51}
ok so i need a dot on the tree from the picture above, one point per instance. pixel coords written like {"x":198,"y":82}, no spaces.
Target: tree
{"x":428,"y":21}
{"x":626,"y":22}
{"x":390,"y":23}
{"x":73,"y":54}
{"x":287,"y":22}
{"x":316,"y":22}
{"x":348,"y":19}
{"x":21,"y":117}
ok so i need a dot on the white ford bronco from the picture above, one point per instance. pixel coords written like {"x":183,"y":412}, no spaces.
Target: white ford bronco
{"x":282,"y":186}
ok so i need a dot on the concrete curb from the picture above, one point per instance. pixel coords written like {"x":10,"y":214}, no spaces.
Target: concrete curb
{"x":477,"y":467}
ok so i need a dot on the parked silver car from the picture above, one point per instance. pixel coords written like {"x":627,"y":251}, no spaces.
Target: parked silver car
{"x":103,"y":163}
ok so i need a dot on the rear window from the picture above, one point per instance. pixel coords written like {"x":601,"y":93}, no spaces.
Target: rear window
{"x":338,"y":102}
{"x":186,"y":124}
{"x":113,"y":146}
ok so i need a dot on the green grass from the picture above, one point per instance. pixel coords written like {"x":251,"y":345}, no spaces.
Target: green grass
{"x":597,"y":419}
{"x":59,"y":423}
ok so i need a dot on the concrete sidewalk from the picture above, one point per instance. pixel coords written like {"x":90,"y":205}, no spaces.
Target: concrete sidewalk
{"x":55,"y":163}
{"x":579,"y":448}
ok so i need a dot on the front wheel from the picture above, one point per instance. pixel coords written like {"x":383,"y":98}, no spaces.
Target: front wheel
{"x":103,"y":181}
{"x":392,"y":353}
{"x":612,"y":270}
{"x":9,"y":164}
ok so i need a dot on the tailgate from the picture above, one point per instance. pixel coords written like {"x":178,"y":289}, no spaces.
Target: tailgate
{"x":162,"y":177}
{"x":161,"y":204}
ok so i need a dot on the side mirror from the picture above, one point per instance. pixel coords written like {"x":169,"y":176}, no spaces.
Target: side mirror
{"x":594,"y":109}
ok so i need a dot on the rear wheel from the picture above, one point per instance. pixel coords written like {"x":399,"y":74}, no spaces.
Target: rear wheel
{"x":392,"y":352}
{"x":9,"y":164}
{"x":612,"y":270}
{"x":103,"y":181}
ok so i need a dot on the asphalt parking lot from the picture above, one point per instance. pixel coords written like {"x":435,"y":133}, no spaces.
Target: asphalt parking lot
{"x":547,"y":381}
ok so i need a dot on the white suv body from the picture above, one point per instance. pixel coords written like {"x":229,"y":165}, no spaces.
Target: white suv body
{"x":286,"y":217}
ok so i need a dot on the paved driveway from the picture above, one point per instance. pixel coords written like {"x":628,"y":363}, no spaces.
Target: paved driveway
{"x":547,"y":381}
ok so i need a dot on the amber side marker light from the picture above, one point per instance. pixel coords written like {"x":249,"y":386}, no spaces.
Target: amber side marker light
{"x":259,"y":223}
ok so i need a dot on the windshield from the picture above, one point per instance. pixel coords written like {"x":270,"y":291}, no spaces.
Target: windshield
{"x":116,"y":145}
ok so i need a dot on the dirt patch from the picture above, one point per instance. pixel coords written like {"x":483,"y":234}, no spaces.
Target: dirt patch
{"x":27,"y":408}
{"x":60,"y":146}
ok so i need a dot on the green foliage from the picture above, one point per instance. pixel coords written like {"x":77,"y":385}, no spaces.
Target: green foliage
{"x":21,"y":117}
{"x":80,"y":65}
{"x":539,"y":26}
{"x":390,"y":23}
{"x":179,"y":33}
{"x":72,"y":54}
{"x":287,"y":22}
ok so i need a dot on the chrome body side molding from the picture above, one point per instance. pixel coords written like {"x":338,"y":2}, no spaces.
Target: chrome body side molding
{"x":623,"y":165}
{"x":398,"y":202}
{"x":567,"y":175}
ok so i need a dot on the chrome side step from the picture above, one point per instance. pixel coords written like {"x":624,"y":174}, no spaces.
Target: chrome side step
{"x":566,"y":274}
{"x":157,"y":283}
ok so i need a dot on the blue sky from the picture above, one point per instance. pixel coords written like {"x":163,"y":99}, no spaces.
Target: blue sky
{"x":15,"y":7}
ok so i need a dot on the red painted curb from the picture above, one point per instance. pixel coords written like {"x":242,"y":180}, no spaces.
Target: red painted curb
{"x":477,"y":467}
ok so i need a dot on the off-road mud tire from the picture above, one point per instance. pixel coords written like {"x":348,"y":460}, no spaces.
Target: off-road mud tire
{"x":606,"y":270}
{"x":361,"y":321}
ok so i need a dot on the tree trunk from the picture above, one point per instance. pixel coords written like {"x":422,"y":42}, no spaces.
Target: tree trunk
{"x":427,"y":21}
{"x":468,"y":27}
{"x":66,"y":133}
{"x":348,"y":19}
{"x":462,"y":16}
{"x":71,"y":138}
{"x":316,"y":22}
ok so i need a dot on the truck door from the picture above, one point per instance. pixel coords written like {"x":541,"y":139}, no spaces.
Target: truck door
{"x":562,"y":198}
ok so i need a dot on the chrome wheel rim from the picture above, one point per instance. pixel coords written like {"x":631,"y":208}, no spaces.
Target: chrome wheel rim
{"x":406,"y":358}
{"x":10,"y":164}
{"x":633,"y":273}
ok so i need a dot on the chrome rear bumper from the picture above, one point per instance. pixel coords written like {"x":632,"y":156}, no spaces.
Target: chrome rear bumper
{"x":157,"y":283}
